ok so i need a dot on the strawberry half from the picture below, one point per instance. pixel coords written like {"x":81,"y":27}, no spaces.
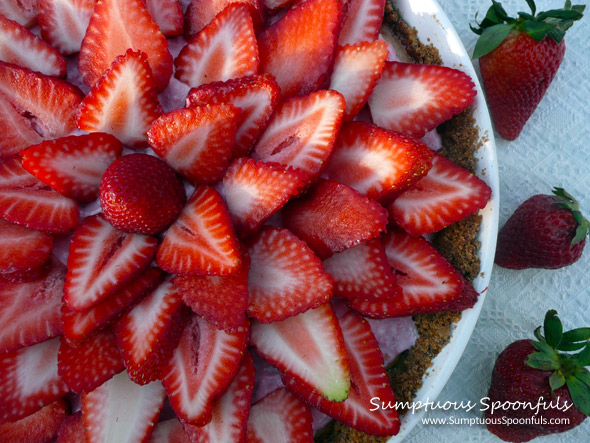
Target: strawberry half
{"x":202,"y":239}
{"x":298,"y":50}
{"x":168,"y":16}
{"x":362,"y":21}
{"x":256,"y":95}
{"x":309,"y":347}
{"x":123,"y":102}
{"x":21,"y":11}
{"x":302,"y":131}
{"x":280,"y":416}
{"x":285,"y":277}
{"x":39,"y":427}
{"x":368,"y":381}
{"x":73,"y":165}
{"x":102,"y":260}
{"x":21,"y":47}
{"x":202,"y":368}
{"x":91,"y":363}
{"x":115,"y":27}
{"x":63,"y":23}
{"x":196,"y":142}
{"x":225,"y":48}
{"x":375,"y":162}
{"x":414,"y":99}
{"x":16,"y":129}
{"x":199,"y":13}
{"x":254,"y":191}
{"x":447,"y":194}
{"x":169,"y":431}
{"x":333,"y":217}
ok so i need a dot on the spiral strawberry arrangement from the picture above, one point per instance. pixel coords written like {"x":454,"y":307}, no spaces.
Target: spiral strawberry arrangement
{"x":267,"y":199}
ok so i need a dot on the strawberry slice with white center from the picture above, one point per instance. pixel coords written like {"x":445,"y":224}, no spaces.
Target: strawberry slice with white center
{"x":256,"y":95}
{"x":202,"y":369}
{"x":63,"y":23}
{"x":102,"y":260}
{"x":16,"y":130}
{"x":77,"y":326}
{"x":21,"y":47}
{"x":29,"y":380}
{"x":230,"y":411}
{"x":280,"y":416}
{"x":333,"y":217}
{"x":122,"y":411}
{"x":362,"y":272}
{"x":21,"y":11}
{"x":30,"y":312}
{"x":446,"y":195}
{"x":298,"y":50}
{"x":115,"y":27}
{"x":362,"y":21}
{"x":414,"y":99}
{"x":91,"y":363}
{"x":302,"y":132}
{"x":368,"y":381}
{"x":14,"y":176}
{"x":375,"y":162}
{"x":73,"y":165}
{"x":149,"y":332}
{"x":50,"y":104}
{"x":254,"y":191}
{"x":42,"y":426}
{"x":285,"y":277}
{"x":123,"y":102}
{"x":202,"y":239}
{"x":168,"y":16}
{"x":356,"y":72}
{"x":196,"y":142}
{"x":169,"y":431}
{"x":309,"y":347}
{"x":199,"y":13}
{"x":226,"y":48}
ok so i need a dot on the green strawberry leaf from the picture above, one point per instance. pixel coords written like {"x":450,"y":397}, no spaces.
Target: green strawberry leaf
{"x":570,"y":347}
{"x":583,"y":376}
{"x":540,"y":360}
{"x":583,"y":358}
{"x":556,"y":380}
{"x":553,"y":328}
{"x":562,"y":14}
{"x":532,"y":5}
{"x":490,"y":39}
{"x":542,"y":346}
{"x":580,"y":393}
{"x":537,"y":30}
{"x":575,"y":335}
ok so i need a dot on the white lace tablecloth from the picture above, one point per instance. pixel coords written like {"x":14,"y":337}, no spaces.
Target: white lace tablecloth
{"x":553,"y":150}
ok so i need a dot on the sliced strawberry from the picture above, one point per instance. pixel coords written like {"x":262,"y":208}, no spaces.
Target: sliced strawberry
{"x":16,"y":129}
{"x":168,"y":16}
{"x":254,"y":191}
{"x":148,"y":334}
{"x":302,"y":131}
{"x":202,"y":368}
{"x":102,"y":260}
{"x":122,"y":411}
{"x":299,"y":48}
{"x":77,"y":326}
{"x":14,"y":176}
{"x":333,"y":217}
{"x":256,"y":95}
{"x":309,"y":347}
{"x":21,"y":47}
{"x":199,"y":13}
{"x":414,"y":99}
{"x":63,"y":23}
{"x":230,"y":411}
{"x":375,"y":162}
{"x":123,"y":102}
{"x":285,"y":278}
{"x":224,"y":49}
{"x":362,"y":21}
{"x":221,"y":300}
{"x":49,"y":104}
{"x":202,"y":239}
{"x":197,"y":142}
{"x":39,"y":427}
{"x":30,"y":312}
{"x":21,"y":11}
{"x":169,"y":431}
{"x":356,"y":72}
{"x":72,"y":429}
{"x":446,"y":195}
{"x":29,"y":380}
{"x":73,"y":165}
{"x":22,"y":250}
{"x":280,"y":416}
{"x":116,"y":26}
{"x":91,"y":363}
{"x":368,"y":381}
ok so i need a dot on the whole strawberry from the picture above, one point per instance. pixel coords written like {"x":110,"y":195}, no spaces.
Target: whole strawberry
{"x":140,"y":193}
{"x":536,"y":389}
{"x":545,"y":231}
{"x":518,"y":58}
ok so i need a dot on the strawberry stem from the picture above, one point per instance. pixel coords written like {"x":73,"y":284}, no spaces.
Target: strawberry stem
{"x":566,"y":201}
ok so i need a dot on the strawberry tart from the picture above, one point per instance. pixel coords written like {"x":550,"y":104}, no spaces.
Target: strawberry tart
{"x":222,"y":221}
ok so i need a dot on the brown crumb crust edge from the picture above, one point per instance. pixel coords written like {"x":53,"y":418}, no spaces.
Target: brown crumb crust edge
{"x":460,"y":139}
